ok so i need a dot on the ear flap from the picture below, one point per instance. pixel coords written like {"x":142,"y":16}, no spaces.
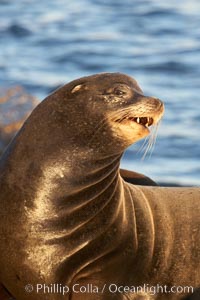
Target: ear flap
{"x":79,"y":87}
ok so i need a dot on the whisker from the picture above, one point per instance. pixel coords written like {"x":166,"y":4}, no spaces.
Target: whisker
{"x":155,"y":133}
{"x":148,"y":145}
{"x":146,"y":150}
{"x":151,"y":142}
{"x":144,"y":144}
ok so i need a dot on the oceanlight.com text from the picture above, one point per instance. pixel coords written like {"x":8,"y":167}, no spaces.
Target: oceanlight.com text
{"x":57,"y":288}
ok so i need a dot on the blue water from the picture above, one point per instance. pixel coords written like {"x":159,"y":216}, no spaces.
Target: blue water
{"x":44,"y":44}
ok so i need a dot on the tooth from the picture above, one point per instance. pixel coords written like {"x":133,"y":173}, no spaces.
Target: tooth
{"x":146,"y":125}
{"x":138,"y":120}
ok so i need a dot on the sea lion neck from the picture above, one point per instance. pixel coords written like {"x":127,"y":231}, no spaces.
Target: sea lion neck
{"x":67,"y":170}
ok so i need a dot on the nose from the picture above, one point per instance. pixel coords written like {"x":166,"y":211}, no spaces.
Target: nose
{"x":155,"y":98}
{"x":152,"y":101}
{"x":160,"y":104}
{"x":156,"y":101}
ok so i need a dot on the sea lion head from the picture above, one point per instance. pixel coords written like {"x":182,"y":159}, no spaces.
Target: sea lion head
{"x":103,"y":114}
{"x":116,"y":107}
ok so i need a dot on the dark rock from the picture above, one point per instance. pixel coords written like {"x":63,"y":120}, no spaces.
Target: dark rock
{"x":15,"y":107}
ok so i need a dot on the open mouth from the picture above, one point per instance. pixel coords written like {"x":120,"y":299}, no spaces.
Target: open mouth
{"x":144,"y":121}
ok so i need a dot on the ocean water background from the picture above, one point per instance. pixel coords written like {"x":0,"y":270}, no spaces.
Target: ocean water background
{"x":44,"y":44}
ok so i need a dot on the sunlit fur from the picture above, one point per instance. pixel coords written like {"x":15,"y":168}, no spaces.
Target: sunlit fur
{"x":132,"y":132}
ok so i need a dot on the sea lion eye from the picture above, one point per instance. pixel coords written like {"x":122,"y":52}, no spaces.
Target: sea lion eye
{"x":119,"y":92}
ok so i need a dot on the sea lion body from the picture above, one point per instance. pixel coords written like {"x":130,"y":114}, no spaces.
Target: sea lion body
{"x":66,"y":215}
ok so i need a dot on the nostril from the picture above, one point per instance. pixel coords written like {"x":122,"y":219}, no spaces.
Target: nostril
{"x":157,"y":100}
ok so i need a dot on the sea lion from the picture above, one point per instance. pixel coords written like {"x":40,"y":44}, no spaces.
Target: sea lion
{"x":68,"y":217}
{"x":136,"y":178}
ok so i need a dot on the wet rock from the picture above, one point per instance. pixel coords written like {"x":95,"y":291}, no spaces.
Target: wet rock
{"x":15,"y":107}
